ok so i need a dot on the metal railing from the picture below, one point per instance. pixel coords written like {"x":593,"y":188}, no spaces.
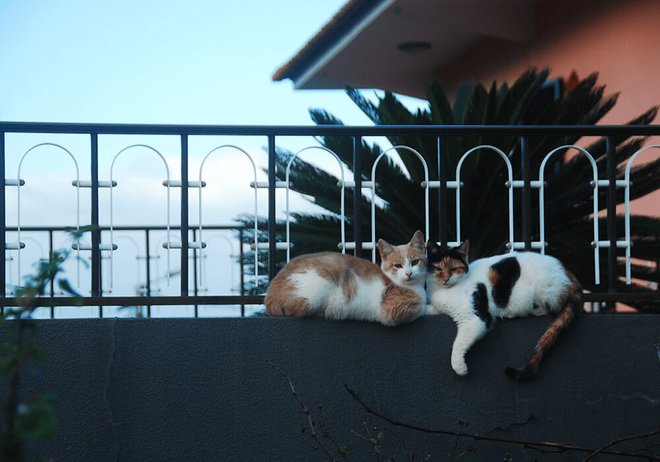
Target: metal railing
{"x":275,"y":134}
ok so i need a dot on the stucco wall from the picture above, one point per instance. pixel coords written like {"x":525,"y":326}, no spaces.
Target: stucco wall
{"x":618,"y":39}
{"x":185,"y":389}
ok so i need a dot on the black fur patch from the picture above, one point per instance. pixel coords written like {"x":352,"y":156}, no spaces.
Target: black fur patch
{"x":506,"y":274}
{"x":439,"y":253}
{"x":480,"y":304}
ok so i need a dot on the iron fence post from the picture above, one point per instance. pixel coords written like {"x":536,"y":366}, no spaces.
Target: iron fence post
{"x":94,"y":218}
{"x":357,"y":196}
{"x":52,"y":281}
{"x":195,"y":290}
{"x":147,"y":254}
{"x":272,"y":178}
{"x":242,"y":273}
{"x":611,"y":220}
{"x":3,"y":222}
{"x":526,"y":195}
{"x":442,"y":192}
{"x":184,"y":215}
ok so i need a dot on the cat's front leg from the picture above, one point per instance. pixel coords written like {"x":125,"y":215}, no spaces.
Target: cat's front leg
{"x":469,"y":331}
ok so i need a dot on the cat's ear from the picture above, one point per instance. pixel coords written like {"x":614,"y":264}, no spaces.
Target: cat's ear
{"x":417,"y":241}
{"x":464,"y":248}
{"x":431,"y":245}
{"x":385,"y":249}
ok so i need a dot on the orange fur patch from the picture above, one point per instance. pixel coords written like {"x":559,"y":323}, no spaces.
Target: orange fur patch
{"x":493,"y":277}
{"x":341,"y":270}
{"x":399,"y":305}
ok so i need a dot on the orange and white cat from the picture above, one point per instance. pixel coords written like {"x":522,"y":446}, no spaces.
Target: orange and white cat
{"x":337,"y":286}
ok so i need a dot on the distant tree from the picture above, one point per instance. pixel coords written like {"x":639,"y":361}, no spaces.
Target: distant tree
{"x":399,"y":209}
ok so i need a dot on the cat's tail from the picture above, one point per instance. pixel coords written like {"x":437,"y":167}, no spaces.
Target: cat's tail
{"x":571,"y":303}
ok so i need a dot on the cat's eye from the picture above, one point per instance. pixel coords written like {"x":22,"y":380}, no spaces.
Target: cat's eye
{"x":398,"y":265}
{"x":414,"y":262}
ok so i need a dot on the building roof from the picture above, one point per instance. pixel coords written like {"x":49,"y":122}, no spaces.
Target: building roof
{"x":401,"y":44}
{"x":344,"y":20}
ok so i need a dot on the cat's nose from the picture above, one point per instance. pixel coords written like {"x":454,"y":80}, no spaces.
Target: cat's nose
{"x":409,"y":274}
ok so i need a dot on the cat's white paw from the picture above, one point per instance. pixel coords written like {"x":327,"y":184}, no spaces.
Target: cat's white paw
{"x":459,"y":365}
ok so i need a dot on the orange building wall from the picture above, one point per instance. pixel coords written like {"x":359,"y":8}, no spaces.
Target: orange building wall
{"x":618,"y":39}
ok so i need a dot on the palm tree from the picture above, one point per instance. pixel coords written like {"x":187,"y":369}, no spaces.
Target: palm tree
{"x":483,"y":200}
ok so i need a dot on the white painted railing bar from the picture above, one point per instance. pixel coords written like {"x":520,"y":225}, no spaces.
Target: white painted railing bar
{"x":536,"y":245}
{"x":264,"y":246}
{"x":519,"y":184}
{"x":85,"y":246}
{"x":14,"y":182}
{"x":177,"y":245}
{"x":14,"y":245}
{"x":606,"y":183}
{"x":351,"y":246}
{"x":351,"y":184}
{"x":191,"y":184}
{"x":606,"y":244}
{"x":264,"y":184}
{"x":88,"y":184}
{"x":436,"y":184}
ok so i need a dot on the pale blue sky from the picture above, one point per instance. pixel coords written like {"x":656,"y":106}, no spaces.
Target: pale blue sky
{"x":151,"y":62}
{"x":121,"y":61}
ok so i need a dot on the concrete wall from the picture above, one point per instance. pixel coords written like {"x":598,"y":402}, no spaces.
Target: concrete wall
{"x":185,"y":389}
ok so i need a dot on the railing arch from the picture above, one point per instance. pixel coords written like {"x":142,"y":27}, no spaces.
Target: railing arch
{"x":256,"y":209}
{"x":18,"y":182}
{"x":425,"y":185}
{"x":509,"y":184}
{"x":628,"y":243}
{"x":112,"y":242}
{"x":594,"y":183}
{"x":341,"y":198}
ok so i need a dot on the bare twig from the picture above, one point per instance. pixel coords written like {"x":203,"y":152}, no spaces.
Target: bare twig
{"x":530,"y":418}
{"x":558,"y":447}
{"x":308,"y":415}
{"x":620,"y":440}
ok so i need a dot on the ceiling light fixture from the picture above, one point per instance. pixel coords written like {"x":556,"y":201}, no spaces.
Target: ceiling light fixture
{"x":414,"y":47}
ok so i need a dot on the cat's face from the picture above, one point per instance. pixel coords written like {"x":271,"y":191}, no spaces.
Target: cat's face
{"x":447,"y":266}
{"x":404,"y":264}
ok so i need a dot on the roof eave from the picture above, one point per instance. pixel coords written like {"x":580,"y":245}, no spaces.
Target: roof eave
{"x":332,"y":37}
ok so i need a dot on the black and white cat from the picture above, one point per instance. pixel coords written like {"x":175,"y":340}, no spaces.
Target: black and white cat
{"x":503,"y":286}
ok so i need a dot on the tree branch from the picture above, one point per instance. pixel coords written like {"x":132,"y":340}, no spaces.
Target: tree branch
{"x":308,"y":415}
{"x":617,"y":441}
{"x":558,"y":447}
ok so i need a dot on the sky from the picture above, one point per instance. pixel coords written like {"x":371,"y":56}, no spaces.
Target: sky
{"x":174,"y":62}
{"x":151,"y":62}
